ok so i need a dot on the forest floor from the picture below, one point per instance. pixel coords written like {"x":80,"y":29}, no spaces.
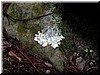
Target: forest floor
{"x":17,"y":59}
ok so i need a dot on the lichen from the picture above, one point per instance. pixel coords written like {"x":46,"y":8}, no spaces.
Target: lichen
{"x":50,"y":34}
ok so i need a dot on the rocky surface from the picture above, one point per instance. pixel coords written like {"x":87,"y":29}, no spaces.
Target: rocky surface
{"x":25,"y":31}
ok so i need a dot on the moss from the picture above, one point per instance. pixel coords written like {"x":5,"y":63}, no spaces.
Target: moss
{"x":22,"y":28}
{"x":40,"y":9}
{"x":13,"y":11}
{"x":67,"y":43}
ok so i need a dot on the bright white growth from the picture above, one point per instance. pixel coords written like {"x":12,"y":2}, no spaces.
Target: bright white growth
{"x":50,"y":35}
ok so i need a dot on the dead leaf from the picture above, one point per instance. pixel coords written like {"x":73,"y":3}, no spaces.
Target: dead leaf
{"x":78,"y":60}
{"x":47,"y":71}
{"x":81,"y":65}
{"x":48,"y":64}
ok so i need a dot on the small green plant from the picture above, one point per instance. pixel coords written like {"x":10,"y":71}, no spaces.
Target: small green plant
{"x":91,"y":51}
{"x":87,"y":50}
